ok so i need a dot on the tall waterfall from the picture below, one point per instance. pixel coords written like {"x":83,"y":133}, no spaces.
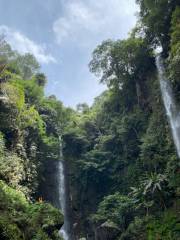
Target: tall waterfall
{"x":169,"y":103}
{"x":63,"y":193}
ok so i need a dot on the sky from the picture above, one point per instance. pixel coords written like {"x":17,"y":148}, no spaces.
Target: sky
{"x":62,"y":35}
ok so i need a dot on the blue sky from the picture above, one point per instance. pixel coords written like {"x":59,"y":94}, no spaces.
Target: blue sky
{"x":62,"y":35}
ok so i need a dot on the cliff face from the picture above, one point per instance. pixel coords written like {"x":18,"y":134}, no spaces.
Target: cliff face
{"x":121,"y":155}
{"x":48,"y":187}
{"x":114,"y":157}
{"x":111,"y":160}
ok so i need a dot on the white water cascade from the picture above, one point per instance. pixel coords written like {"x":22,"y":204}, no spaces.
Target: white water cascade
{"x":169,"y":103}
{"x":62,"y":193}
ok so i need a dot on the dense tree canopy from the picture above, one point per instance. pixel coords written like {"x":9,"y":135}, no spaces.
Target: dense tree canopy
{"x":30,"y":124}
{"x":121,"y":148}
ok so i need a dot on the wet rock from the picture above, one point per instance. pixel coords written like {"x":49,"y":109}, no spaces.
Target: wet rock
{"x":107,"y":231}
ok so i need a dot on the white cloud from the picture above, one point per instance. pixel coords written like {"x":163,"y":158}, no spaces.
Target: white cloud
{"x":82,"y":20}
{"x":23,"y":45}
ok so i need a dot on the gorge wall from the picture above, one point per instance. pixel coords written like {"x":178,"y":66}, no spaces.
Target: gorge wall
{"x":121,"y":154}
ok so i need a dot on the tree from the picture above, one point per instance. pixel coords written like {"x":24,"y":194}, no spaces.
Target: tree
{"x":28,"y":65}
{"x":156,"y":21}
{"x":123,"y":64}
{"x":150,"y":191}
{"x":40,"y":79}
{"x":174,"y":57}
{"x":82,"y":108}
{"x":115,"y":208}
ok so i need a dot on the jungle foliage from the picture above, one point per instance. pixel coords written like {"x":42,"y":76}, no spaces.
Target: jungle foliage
{"x":124,"y":169}
{"x":30,"y":124}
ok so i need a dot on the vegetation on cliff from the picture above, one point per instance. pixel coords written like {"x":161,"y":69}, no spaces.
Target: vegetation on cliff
{"x":29,"y":127}
{"x":123,"y":170}
{"x":121,"y":148}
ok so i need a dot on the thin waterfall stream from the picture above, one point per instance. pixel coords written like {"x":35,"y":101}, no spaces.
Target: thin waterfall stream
{"x":63,"y":199}
{"x":169,"y":103}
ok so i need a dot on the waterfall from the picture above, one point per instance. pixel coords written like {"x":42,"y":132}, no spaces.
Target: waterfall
{"x":169,"y":103}
{"x":64,"y":232}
